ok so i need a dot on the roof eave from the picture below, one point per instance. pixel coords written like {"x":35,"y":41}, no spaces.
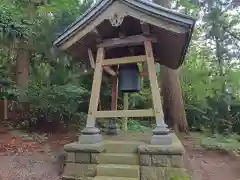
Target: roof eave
{"x":96,"y":9}
{"x":140,"y":5}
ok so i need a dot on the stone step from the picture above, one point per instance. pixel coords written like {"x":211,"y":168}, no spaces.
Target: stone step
{"x":119,"y":158}
{"x":121,"y":146}
{"x":116,"y":170}
{"x":113,"y":178}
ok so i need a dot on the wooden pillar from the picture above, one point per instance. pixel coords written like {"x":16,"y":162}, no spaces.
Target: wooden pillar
{"x":114,"y":93}
{"x":125,"y":106}
{"x":90,"y":134}
{"x":112,"y":125}
{"x":96,"y":85}
{"x":161,"y":132}
{"x":154,"y":83}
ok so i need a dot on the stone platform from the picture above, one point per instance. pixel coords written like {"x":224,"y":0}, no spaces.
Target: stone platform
{"x":125,"y":158}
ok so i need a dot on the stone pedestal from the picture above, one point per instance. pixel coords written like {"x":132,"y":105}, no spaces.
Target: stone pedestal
{"x":112,"y":128}
{"x":161,"y":134}
{"x":90,"y":135}
{"x":162,"y":162}
{"x":81,"y":161}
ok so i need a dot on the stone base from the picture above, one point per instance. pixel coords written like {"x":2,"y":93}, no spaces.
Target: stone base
{"x":90,"y":135}
{"x":112,"y":132}
{"x":81,"y":161}
{"x":163,"y":173}
{"x":112,"y":128}
{"x":162,"y":162}
{"x":175,"y":148}
{"x":76,"y":170}
{"x":161,"y":135}
{"x":165,"y":139}
{"x":88,"y":148}
{"x":90,"y":138}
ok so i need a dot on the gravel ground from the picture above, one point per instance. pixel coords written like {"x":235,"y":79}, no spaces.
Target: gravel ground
{"x":28,"y":167}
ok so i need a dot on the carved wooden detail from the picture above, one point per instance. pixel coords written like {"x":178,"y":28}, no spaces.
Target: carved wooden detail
{"x":116,"y":19}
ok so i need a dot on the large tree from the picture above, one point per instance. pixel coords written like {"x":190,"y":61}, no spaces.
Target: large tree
{"x":173,"y":105}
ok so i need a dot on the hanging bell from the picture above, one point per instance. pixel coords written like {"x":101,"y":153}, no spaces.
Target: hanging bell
{"x":129,"y":78}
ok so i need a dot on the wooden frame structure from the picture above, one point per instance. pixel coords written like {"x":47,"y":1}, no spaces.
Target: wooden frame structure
{"x":115,"y":32}
{"x":101,"y":62}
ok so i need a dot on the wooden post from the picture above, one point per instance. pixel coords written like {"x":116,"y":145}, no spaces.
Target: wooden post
{"x":112,"y":125}
{"x":125,"y":106}
{"x":154,"y":83}
{"x":161,"y":132}
{"x":96,"y":85}
{"x":114,"y":93}
{"x":91,"y":134}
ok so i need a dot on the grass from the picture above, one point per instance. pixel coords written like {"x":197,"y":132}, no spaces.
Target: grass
{"x":136,"y":126}
{"x":219,"y":141}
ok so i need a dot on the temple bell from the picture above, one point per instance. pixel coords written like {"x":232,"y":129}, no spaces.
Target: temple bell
{"x":129,"y":78}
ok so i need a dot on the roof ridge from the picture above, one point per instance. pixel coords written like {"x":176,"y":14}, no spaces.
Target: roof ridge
{"x":100,"y":5}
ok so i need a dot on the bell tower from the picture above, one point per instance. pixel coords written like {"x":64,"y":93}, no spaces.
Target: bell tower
{"x":112,"y":38}
{"x":117,"y":35}
{"x":128,"y":82}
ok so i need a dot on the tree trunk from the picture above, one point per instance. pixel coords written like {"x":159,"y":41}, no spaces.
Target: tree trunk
{"x":23,"y":52}
{"x":173,"y":106}
{"x":22,"y":66}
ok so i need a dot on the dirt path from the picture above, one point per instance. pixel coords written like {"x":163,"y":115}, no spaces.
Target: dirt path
{"x":211,"y":165}
{"x":26,"y":160}
{"x":27,"y":167}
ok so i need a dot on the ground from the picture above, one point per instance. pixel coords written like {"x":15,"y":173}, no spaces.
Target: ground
{"x":211,"y":164}
{"x":24,"y":159}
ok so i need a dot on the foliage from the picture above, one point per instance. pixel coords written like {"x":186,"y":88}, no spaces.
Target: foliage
{"x":209,"y":77}
{"x":217,"y":141}
{"x":62,"y":100}
{"x":136,"y":126}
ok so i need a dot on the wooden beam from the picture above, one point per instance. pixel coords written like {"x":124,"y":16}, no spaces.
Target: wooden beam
{"x":107,"y":69}
{"x":124,"y":60}
{"x":91,"y":58}
{"x":143,"y":74}
{"x":157,"y":104}
{"x":128,"y":41}
{"x":125,"y":106}
{"x":125,"y":113}
{"x":114,"y":93}
{"x":145,"y":28}
{"x":97,"y":34}
{"x":96,"y":86}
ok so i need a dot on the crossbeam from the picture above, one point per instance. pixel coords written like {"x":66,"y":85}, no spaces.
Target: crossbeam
{"x":128,"y":41}
{"x":124,"y":60}
{"x":125,"y":113}
{"x":107,"y":69}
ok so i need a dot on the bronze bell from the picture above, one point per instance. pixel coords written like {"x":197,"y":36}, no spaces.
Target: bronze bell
{"x":129,"y":78}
